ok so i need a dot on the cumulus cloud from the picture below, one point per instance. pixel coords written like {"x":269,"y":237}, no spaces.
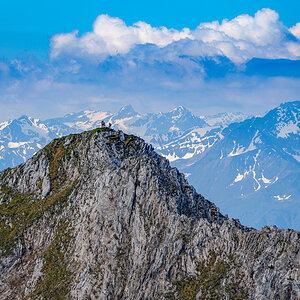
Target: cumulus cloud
{"x":295,"y":30}
{"x":112,"y":36}
{"x":230,"y":65}
{"x":239,"y":39}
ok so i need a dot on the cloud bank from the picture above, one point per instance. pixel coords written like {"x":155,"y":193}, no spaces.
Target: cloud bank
{"x":248,"y":64}
{"x":239,"y":39}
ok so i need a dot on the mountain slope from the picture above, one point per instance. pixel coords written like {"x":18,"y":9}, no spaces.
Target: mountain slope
{"x":253,"y":172}
{"x":100,"y":215}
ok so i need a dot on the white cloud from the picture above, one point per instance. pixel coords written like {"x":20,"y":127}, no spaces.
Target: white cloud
{"x":112,"y":36}
{"x":240,"y":39}
{"x":245,"y":37}
{"x":295,"y":30}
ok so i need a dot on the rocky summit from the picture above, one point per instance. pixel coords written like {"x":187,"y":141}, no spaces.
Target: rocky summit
{"x":100,"y":215}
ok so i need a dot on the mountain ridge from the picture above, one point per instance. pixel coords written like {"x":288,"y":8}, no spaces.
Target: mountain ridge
{"x":101,"y":215}
{"x":256,"y":161}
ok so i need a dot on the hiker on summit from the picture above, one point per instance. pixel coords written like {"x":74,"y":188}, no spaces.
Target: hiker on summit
{"x":102,"y":124}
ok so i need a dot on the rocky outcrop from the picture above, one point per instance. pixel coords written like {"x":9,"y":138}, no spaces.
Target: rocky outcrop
{"x":101,"y":216}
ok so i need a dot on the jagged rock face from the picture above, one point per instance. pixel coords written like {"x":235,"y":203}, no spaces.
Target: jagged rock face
{"x":101,"y":216}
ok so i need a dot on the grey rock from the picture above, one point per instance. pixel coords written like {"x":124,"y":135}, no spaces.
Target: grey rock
{"x":123,"y":224}
{"x":46,"y":187}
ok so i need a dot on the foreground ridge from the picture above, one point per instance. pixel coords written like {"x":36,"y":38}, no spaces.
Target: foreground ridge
{"x":100,"y":215}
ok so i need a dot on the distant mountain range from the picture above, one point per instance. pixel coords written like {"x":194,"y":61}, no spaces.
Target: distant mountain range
{"x":253,"y":170}
{"x":250,"y":167}
{"x":22,"y":137}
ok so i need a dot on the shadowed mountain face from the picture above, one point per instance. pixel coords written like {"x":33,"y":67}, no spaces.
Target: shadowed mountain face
{"x":100,"y":215}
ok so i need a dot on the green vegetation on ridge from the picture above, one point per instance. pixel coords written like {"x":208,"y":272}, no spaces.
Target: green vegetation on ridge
{"x":55,"y":282}
{"x":208,"y":282}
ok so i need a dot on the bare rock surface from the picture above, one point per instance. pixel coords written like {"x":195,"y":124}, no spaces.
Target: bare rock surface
{"x":100,"y":215}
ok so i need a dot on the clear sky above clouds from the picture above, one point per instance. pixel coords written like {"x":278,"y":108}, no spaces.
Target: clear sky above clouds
{"x":58,"y":57}
{"x":27,"y":26}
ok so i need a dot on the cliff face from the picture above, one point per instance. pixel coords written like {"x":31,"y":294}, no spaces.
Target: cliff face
{"x":101,"y":216}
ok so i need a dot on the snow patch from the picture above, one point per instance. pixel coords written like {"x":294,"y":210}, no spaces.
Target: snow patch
{"x":297,"y":157}
{"x":93,"y":120}
{"x":238,"y":178}
{"x":264,"y":179}
{"x":121,"y":122}
{"x":286,"y":129}
{"x":4,"y":124}
{"x":281,"y":198}
{"x":16,"y":145}
{"x":238,"y":150}
{"x":224,"y":119}
{"x":203,"y":130}
{"x":97,"y":116}
{"x":221,"y":154}
{"x":188,"y":155}
{"x":172,"y":157}
{"x":254,"y":173}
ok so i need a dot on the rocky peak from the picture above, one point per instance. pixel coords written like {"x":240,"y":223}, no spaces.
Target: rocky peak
{"x":179,"y":112}
{"x":284,"y":119}
{"x":180,"y":109}
{"x":125,"y":112}
{"x":100,"y":215}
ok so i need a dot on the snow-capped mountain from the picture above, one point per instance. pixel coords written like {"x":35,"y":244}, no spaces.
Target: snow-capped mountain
{"x":190,"y":144}
{"x":224,"y":119}
{"x":162,"y":128}
{"x":249,"y":167}
{"x":253,"y":171}
{"x":21,"y":138}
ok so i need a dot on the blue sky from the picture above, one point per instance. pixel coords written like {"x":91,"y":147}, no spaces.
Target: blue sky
{"x":27,"y":26}
{"x":56,"y":57}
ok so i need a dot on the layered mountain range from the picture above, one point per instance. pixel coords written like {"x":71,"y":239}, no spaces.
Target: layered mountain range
{"x":22,"y":137}
{"x":248,"y":166}
{"x":253,"y":171}
{"x":100,"y":215}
